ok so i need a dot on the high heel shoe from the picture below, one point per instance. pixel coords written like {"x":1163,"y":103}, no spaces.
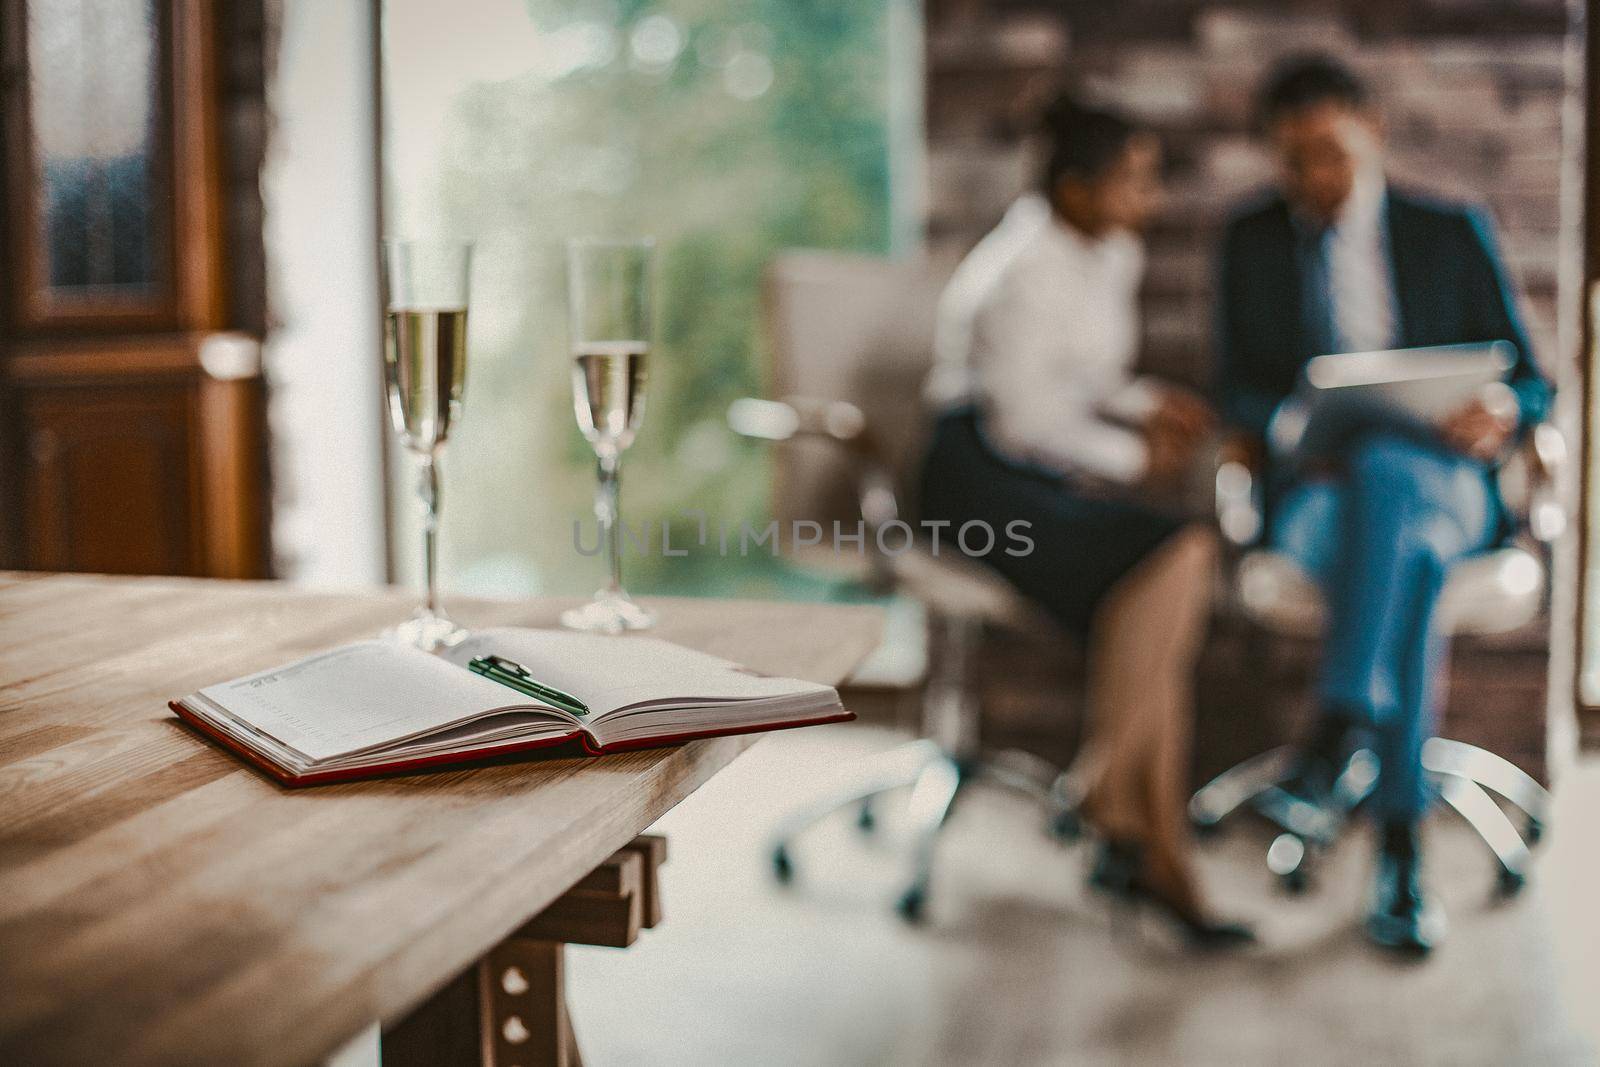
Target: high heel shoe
{"x":1119,"y":872}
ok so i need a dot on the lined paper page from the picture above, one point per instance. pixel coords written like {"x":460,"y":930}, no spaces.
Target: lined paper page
{"x":356,"y":696}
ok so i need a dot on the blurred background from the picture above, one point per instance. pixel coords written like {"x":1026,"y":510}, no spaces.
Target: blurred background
{"x":226,"y":178}
{"x":191,"y":383}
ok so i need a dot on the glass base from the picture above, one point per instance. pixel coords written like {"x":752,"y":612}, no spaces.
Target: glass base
{"x":428,"y":632}
{"x":609,"y":613}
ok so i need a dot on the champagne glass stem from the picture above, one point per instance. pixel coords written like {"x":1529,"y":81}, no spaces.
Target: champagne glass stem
{"x":428,"y":493}
{"x":607,"y":508}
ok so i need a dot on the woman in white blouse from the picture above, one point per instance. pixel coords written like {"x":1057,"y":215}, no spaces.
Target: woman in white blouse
{"x":1043,"y":420}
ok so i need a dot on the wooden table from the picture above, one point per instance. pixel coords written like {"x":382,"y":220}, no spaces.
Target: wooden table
{"x":162,"y":903}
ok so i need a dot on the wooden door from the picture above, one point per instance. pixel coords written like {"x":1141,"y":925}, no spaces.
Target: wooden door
{"x":132,"y":427}
{"x":1585,"y":633}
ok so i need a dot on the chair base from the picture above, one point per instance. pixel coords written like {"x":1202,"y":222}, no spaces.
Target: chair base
{"x":1468,"y":779}
{"x":937,"y":778}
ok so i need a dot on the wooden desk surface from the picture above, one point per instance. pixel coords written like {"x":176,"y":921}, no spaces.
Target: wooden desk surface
{"x":161,"y":903}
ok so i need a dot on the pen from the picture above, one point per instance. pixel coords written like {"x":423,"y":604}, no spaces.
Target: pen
{"x":515,"y":676}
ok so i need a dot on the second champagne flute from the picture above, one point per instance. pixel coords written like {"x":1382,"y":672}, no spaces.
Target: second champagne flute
{"x":608,"y":293}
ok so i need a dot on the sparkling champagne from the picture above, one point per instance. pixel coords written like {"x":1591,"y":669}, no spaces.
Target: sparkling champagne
{"x":608,"y":379}
{"x":425,"y":351}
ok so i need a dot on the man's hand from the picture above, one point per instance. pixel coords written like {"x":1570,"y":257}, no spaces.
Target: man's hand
{"x":1171,"y":457}
{"x":1173,"y":434}
{"x":1182,"y":414}
{"x":1481,"y":427}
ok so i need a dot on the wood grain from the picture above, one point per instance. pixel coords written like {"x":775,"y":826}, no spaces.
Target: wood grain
{"x":159,"y":899}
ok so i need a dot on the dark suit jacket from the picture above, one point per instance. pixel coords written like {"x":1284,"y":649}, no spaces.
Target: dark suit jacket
{"x":1449,"y":286}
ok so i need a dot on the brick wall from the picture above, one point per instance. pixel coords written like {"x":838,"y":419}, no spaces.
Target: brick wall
{"x":1472,"y":91}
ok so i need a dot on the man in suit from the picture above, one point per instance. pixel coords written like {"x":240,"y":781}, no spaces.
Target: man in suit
{"x":1337,"y":259}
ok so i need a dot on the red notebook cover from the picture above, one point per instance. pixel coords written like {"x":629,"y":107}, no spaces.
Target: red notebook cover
{"x":579,"y":743}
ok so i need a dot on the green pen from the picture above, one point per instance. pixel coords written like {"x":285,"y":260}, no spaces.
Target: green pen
{"x":514,"y":675}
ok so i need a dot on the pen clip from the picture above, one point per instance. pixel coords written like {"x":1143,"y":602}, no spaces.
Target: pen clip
{"x":510,"y":666}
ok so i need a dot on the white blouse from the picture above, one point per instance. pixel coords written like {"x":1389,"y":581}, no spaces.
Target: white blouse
{"x":1040,"y":327}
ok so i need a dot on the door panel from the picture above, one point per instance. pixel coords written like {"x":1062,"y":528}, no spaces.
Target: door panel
{"x":110,"y":479}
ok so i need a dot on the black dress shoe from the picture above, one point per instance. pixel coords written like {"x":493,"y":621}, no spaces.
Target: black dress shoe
{"x":1307,"y":802}
{"x":1404,"y":917}
{"x":1335,"y":739}
{"x":1119,"y":872}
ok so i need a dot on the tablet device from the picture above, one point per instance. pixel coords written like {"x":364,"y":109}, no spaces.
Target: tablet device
{"x":1408,"y":390}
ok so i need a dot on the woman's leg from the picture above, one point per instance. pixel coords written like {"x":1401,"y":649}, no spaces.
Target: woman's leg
{"x":1144,"y":641}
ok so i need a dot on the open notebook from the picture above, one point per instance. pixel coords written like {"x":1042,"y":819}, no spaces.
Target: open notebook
{"x":377,"y":707}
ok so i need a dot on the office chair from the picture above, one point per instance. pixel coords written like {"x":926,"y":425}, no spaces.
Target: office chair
{"x":852,"y":341}
{"x":1494,"y":592}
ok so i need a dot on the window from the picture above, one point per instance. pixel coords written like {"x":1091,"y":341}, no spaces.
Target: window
{"x":727,"y":130}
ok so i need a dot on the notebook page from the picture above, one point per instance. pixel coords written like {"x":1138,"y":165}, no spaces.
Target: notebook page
{"x":355,"y":696}
{"x":557,"y":658}
{"x":608,"y":673}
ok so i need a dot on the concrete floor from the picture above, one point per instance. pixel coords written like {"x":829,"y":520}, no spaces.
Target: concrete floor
{"x":1019,"y":965}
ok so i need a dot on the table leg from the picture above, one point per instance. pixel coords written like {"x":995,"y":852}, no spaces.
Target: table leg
{"x":509,"y":1009}
{"x":523,"y":1004}
{"x":442,"y":1032}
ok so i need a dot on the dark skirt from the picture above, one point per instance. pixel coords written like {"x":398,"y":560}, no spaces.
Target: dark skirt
{"x":1082,"y":541}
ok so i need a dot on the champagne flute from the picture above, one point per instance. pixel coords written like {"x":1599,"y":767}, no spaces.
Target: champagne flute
{"x":425,"y":360}
{"x":608,"y":305}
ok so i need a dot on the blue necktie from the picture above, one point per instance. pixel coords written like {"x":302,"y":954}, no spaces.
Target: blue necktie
{"x":1316,"y":292}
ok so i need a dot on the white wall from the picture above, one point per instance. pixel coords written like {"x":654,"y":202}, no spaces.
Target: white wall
{"x":324,"y":358}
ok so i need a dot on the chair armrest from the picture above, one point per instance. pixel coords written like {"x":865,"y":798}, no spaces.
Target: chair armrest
{"x":798,"y":416}
{"x":1543,"y":456}
{"x":843,"y":425}
{"x":1530,"y":480}
{"x":1237,"y":485}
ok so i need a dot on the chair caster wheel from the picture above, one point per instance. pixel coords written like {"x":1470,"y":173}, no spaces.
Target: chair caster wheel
{"x":1533,"y":831}
{"x":1295,"y":882}
{"x":1287,"y":859}
{"x":1509,"y":883}
{"x":912,"y":905}
{"x":866,"y":818}
{"x":782,"y":865}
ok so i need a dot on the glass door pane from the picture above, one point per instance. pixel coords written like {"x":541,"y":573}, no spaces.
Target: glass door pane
{"x":94,"y":107}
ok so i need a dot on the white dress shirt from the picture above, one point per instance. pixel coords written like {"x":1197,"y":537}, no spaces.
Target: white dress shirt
{"x":1040,"y":326}
{"x":1359,"y":274}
